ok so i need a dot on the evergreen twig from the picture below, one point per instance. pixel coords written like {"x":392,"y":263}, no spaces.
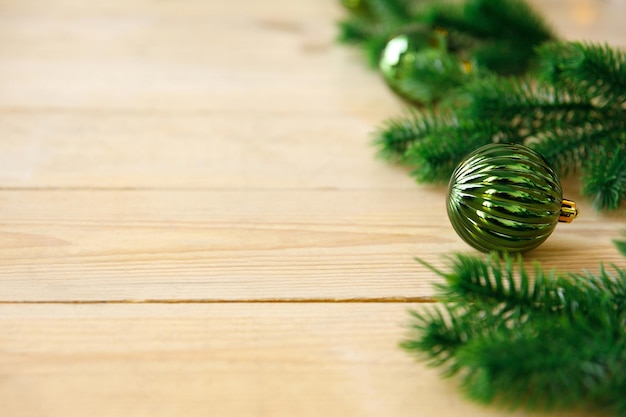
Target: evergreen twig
{"x":497,"y":331}
{"x":575,"y":121}
{"x":496,"y":35}
{"x":523,"y":338}
{"x":605,"y":180}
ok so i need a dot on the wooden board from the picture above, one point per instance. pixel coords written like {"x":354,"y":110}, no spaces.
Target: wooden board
{"x":193,"y":221}
{"x":64,"y":245}
{"x":252,"y":360}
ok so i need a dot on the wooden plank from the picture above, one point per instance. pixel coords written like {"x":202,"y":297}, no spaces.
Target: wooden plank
{"x":99,"y":149}
{"x":249,"y":360}
{"x":139,"y":94}
{"x":147,"y":56}
{"x":145,"y":95}
{"x":242,"y":245}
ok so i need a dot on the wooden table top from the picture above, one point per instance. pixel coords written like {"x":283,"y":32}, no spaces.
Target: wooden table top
{"x":193,"y":222}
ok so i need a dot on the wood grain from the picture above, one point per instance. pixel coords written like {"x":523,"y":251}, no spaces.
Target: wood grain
{"x":218,"y":360}
{"x":229,"y":245}
{"x":193,"y":222}
{"x":199,"y":149}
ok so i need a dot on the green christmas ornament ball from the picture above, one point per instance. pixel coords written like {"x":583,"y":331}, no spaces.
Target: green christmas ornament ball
{"x":408,"y":57}
{"x":506,"y":198}
{"x":419,"y":66}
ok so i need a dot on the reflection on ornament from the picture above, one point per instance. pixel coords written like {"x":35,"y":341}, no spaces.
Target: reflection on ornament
{"x":506,"y":198}
{"x":392,"y":55}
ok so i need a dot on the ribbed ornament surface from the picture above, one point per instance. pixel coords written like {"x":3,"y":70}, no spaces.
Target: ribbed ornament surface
{"x":504,"y":197}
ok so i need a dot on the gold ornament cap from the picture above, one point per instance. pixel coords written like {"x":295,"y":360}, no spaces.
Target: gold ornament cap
{"x":568,"y":211}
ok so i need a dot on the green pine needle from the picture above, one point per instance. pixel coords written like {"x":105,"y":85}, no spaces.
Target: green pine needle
{"x":605,"y":179}
{"x":505,"y":31}
{"x":591,"y":70}
{"x":522,"y":338}
{"x":569,"y":123}
{"x":498,"y":35}
{"x":398,"y":135}
{"x":435,"y":144}
{"x":488,"y":19}
{"x":621,"y":245}
{"x":436,"y":155}
{"x":542,"y":340}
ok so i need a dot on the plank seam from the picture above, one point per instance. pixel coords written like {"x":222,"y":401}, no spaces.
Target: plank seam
{"x":226,"y":301}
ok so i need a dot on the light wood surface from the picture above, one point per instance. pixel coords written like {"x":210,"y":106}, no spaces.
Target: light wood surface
{"x":193,"y":222}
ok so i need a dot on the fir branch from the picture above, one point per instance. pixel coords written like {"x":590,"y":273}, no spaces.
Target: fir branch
{"x":508,"y":57}
{"x":491,"y":282}
{"x":434,"y":145}
{"x":505,"y":45}
{"x":535,"y":367}
{"x":563,"y":126}
{"x":526,"y":105}
{"x":567,"y":125}
{"x":605,"y":178}
{"x":505,"y":32}
{"x":372,"y":23}
{"x":621,"y":245}
{"x":355,"y":30}
{"x":371,"y":36}
{"x":398,"y":11}
{"x":435,"y":156}
{"x":543,"y":341}
{"x":490,"y":19}
{"x":574,"y":146}
{"x":396,"y":136}
{"x":591,"y":70}
{"x":522,"y":338}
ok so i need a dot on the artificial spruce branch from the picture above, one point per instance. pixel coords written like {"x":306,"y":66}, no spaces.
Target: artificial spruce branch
{"x":372,"y":22}
{"x":536,"y":339}
{"x":573,"y":113}
{"x":605,"y":180}
{"x":594,"y":71}
{"x":479,"y":35}
{"x":505,"y":32}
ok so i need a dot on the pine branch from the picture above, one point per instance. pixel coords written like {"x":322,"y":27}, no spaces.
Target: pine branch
{"x":436,"y":155}
{"x":433,"y":144}
{"x":489,"y":19}
{"x":575,"y":146}
{"x":505,"y":32}
{"x":591,"y":70}
{"x":381,"y":10}
{"x":621,"y":245}
{"x":493,"y":34}
{"x":568,"y":125}
{"x":565,"y":127}
{"x":390,"y":10}
{"x":605,"y":178}
{"x":397,"y":135}
{"x":522,"y":338}
{"x":526,"y":105}
{"x":371,"y":36}
{"x":372,"y":22}
{"x":541,"y":341}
